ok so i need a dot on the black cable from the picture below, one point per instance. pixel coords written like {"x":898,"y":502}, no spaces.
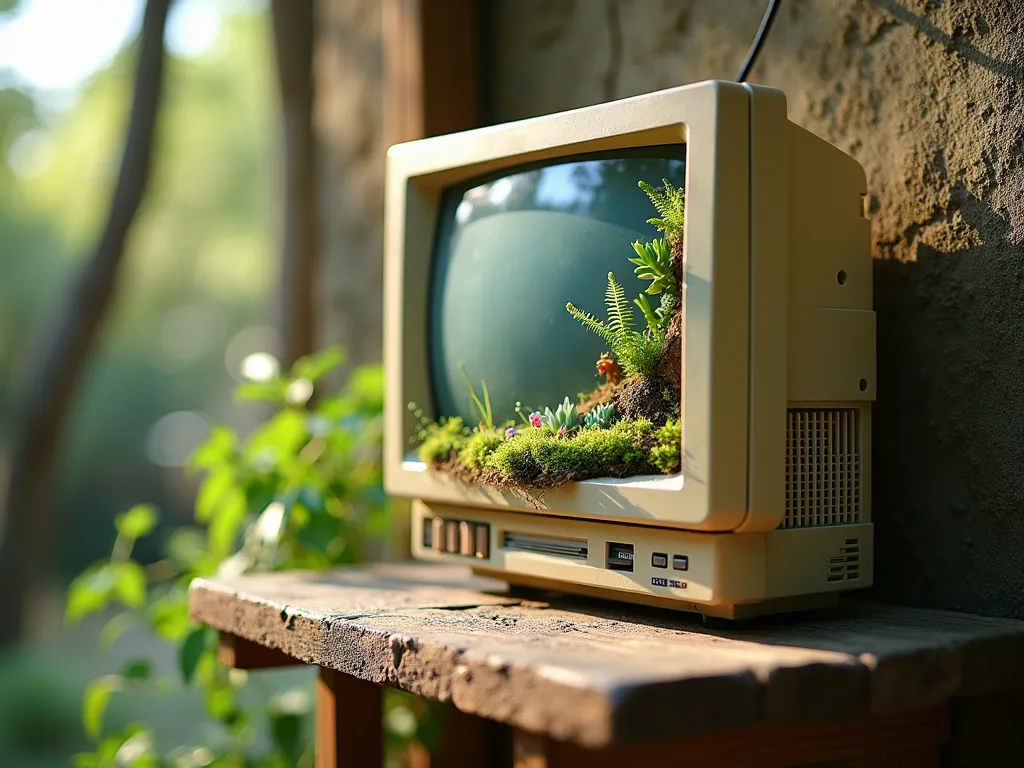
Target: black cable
{"x":762,"y":33}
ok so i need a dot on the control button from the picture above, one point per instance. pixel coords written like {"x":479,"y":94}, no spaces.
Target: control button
{"x":657,"y":581}
{"x":437,"y":534}
{"x":620,"y":556}
{"x":428,"y":532}
{"x":659,"y":560}
{"x":680,"y":562}
{"x":483,"y":540}
{"x":451,"y":536}
{"x":466,"y":538}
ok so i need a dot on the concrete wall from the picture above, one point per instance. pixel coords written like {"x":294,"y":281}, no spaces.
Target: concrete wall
{"x":929,"y":96}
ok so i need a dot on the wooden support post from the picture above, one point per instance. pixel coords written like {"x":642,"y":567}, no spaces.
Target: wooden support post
{"x":235,"y":652}
{"x":469,"y":741}
{"x":903,"y":741}
{"x":349,"y":732}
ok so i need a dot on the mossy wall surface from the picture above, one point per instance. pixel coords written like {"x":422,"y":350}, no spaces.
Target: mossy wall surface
{"x":929,"y":97}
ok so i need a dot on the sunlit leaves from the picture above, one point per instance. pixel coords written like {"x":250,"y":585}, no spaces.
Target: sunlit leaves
{"x":137,"y":522}
{"x":95,"y":701}
{"x":191,"y":651}
{"x":104,"y":583}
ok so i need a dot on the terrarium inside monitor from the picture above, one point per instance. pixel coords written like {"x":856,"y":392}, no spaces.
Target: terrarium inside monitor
{"x":555,"y":322}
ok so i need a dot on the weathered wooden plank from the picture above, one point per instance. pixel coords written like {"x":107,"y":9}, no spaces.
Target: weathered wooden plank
{"x":599,"y":673}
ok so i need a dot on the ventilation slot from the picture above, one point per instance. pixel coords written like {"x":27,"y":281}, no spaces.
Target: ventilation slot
{"x":558,"y":546}
{"x":823,"y":467}
{"x":845,"y":564}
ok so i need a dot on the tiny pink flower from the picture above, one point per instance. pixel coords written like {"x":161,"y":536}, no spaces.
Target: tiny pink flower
{"x":561,"y":430}
{"x":535,"y":418}
{"x":510,"y":432}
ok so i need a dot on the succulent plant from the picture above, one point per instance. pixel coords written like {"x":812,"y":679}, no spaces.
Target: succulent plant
{"x":563,"y":419}
{"x":602,"y":416}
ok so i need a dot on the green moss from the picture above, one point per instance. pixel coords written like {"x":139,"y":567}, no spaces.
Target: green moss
{"x":540,"y":457}
{"x":439,"y":439}
{"x":480,"y":445}
{"x":665,"y":455}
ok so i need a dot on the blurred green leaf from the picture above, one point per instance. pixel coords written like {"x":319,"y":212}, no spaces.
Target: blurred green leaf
{"x":219,"y":448}
{"x":116,"y":627}
{"x":191,"y":651}
{"x":168,"y":617}
{"x":261,"y":391}
{"x":129,"y":583}
{"x":212,"y":492}
{"x":95,"y":701}
{"x":89,"y":593}
{"x":225,"y":524}
{"x":319,"y":364}
{"x":137,"y":669}
{"x":220,"y":703}
{"x":137,"y":522}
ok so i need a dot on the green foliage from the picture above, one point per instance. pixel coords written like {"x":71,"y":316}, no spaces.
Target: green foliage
{"x":638,"y":353}
{"x":601,"y":416}
{"x":438,"y":440}
{"x":666,"y":454}
{"x":483,"y":407}
{"x":303,"y":490}
{"x":671,"y":205}
{"x":562,"y":419}
{"x":480,"y":445}
{"x":539,"y":456}
{"x":654,"y":260}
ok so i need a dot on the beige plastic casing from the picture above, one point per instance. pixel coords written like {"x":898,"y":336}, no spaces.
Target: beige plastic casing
{"x":773,"y":214}
{"x":730,"y":575}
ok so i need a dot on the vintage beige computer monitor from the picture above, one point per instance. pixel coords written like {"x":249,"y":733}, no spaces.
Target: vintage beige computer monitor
{"x":771,"y":510}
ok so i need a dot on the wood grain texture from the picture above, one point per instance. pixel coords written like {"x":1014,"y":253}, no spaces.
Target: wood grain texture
{"x":600,"y":673}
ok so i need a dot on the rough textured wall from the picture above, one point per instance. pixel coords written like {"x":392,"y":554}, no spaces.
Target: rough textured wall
{"x":929,"y":96}
{"x":349,"y":119}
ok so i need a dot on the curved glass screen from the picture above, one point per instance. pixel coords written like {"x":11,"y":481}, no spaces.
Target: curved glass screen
{"x":511,"y":251}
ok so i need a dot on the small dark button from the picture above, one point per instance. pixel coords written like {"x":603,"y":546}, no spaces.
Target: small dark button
{"x":437,"y":533}
{"x":680,"y":562}
{"x":659,"y":560}
{"x":620,"y":556}
{"x":451,"y":536}
{"x":428,"y":531}
{"x":466,"y":538}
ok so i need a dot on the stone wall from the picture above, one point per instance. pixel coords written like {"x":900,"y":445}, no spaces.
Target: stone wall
{"x":929,"y":97}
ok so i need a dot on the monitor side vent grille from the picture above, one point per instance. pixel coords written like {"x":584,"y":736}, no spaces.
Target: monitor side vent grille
{"x":823,"y":467}
{"x":844,"y":564}
{"x":558,"y":546}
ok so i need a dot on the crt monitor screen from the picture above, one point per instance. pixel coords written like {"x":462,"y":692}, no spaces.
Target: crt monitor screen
{"x":511,"y":250}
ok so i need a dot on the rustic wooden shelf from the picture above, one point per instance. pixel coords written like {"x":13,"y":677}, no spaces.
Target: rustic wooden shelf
{"x":583,"y":680}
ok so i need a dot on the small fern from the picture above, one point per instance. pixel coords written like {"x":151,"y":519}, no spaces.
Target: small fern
{"x":638,"y":353}
{"x":670,"y":203}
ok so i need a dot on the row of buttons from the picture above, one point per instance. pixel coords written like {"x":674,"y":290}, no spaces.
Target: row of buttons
{"x":457,"y":537}
{"x":679,"y":562}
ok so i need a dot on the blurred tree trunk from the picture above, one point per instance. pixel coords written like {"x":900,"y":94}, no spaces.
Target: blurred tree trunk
{"x":41,"y":411}
{"x":293,"y":45}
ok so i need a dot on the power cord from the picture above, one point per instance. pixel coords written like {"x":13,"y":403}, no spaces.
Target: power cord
{"x":762,"y":33}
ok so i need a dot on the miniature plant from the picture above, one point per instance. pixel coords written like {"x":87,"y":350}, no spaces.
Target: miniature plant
{"x":671,"y":203}
{"x":440,"y":439}
{"x":562,"y":420}
{"x":666,"y":454}
{"x":638,"y":353}
{"x":483,"y":407}
{"x":654,"y":263}
{"x":601,"y":416}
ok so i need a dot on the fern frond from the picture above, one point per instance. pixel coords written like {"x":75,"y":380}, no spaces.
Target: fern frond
{"x":620,"y":314}
{"x":590,"y":322}
{"x":670,"y":202}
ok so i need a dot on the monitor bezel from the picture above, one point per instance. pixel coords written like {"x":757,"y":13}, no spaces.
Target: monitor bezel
{"x":713,"y":120}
